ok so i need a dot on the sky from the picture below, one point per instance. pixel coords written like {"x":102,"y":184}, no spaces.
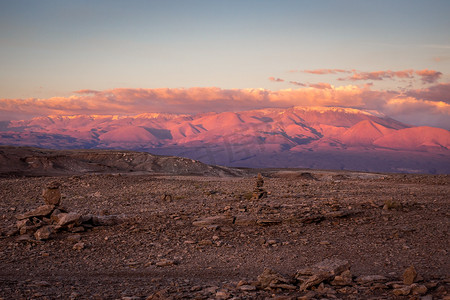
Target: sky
{"x":190,"y":56}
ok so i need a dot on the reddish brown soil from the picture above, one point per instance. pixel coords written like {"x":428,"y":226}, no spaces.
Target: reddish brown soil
{"x":120,"y":261}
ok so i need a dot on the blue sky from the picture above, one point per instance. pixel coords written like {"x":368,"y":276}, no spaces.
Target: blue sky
{"x":51,"y":48}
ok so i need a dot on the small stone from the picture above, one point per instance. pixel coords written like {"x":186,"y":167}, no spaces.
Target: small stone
{"x":77,"y":229}
{"x":205,"y":243}
{"x":79,"y":246}
{"x":347,"y":290}
{"x":270,"y":279}
{"x":402,"y":291}
{"x":331,"y":266}
{"x":25,"y":238}
{"x":418,"y":289}
{"x":165,"y":263}
{"x":56,"y":215}
{"x":369,"y":279}
{"x":74,"y":238}
{"x":23,"y":223}
{"x":44,"y":233}
{"x":344,"y":279}
{"x":409,"y":275}
{"x":211,"y":290}
{"x":222,"y":295}
{"x":314,"y":280}
{"x":247,"y":287}
{"x":308,"y":296}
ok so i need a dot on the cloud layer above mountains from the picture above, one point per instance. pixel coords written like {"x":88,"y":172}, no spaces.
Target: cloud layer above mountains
{"x":428,"y":106}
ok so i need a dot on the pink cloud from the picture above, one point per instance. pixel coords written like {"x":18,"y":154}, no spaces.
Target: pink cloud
{"x":276,"y":79}
{"x":379,"y":75}
{"x":439,"y":92}
{"x":427,"y":103}
{"x":429,"y":76}
{"x":297,"y":83}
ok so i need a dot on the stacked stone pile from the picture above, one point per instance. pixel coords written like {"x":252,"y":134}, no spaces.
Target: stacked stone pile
{"x":259,"y":192}
{"x":46,"y":221}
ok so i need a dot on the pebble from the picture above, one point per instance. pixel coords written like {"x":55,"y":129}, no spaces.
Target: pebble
{"x":79,"y":246}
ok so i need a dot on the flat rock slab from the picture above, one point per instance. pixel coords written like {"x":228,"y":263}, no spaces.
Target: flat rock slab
{"x":69,"y":218}
{"x":41,"y":211}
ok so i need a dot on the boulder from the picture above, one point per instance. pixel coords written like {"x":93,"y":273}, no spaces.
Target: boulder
{"x":52,"y":196}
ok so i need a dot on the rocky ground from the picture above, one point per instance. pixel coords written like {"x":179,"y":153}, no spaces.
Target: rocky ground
{"x":316,"y":235}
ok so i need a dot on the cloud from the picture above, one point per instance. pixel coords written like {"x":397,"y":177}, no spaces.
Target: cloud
{"x":326,"y":71}
{"x":413,"y":106}
{"x":427,"y":76}
{"x":379,"y":75}
{"x":82,"y":92}
{"x":297,"y":83}
{"x":321,"y":85}
{"x":276,"y":79}
{"x":419,"y":112}
{"x":438,"y":93}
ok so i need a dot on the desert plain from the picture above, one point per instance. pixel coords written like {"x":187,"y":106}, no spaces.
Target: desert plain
{"x":317,"y":234}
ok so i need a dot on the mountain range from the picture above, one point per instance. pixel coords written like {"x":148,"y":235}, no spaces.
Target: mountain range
{"x":303,"y":137}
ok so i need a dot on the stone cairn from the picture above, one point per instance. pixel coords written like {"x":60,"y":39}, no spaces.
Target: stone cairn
{"x":259,"y":192}
{"x":46,"y":221}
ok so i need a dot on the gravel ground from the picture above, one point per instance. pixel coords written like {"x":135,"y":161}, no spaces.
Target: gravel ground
{"x":171,"y":248}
